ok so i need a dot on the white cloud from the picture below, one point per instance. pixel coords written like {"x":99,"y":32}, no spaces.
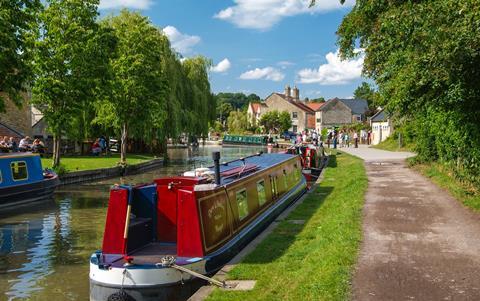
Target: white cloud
{"x":267,"y":73}
{"x":182,"y":43}
{"x":263,"y":14}
{"x":222,"y":67}
{"x":135,"y":4}
{"x":334,"y":72}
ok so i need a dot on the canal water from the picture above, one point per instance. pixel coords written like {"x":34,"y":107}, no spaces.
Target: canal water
{"x":44,"y":251}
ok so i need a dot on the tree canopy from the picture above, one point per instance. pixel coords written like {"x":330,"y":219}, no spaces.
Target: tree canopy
{"x":424,"y":57}
{"x":275,"y":121}
{"x":18,"y":27}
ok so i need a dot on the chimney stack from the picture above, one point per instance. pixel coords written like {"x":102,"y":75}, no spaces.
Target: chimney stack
{"x":288,"y":91}
{"x":296,"y":93}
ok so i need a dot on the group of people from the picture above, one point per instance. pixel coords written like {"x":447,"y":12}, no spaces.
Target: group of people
{"x":9,"y":144}
{"x":99,"y":146}
{"x":305,"y":137}
{"x":334,"y":138}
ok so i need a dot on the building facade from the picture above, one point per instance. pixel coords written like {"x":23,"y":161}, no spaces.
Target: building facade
{"x":382,"y":127}
{"x":339,"y":112}
{"x":16,"y":121}
{"x":303,"y":117}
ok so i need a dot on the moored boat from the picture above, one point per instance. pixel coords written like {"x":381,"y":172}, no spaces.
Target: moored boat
{"x":23,"y":181}
{"x":312,"y":159}
{"x":196,"y":223}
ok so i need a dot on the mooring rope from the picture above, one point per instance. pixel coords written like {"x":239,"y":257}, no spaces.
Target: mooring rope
{"x":169,"y":262}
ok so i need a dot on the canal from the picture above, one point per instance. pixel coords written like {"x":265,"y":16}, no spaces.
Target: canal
{"x":44,"y":253}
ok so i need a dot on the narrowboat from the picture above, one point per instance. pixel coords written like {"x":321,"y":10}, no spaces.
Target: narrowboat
{"x":312,"y":158}
{"x":196,"y":222}
{"x":23,"y":181}
{"x":244,"y":140}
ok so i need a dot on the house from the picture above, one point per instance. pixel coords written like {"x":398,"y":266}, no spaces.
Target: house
{"x":16,"y":121}
{"x":339,"y":112}
{"x":381,"y":127}
{"x":254,"y":112}
{"x":303,"y":117}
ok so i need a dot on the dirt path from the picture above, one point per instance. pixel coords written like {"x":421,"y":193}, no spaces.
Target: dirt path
{"x":419,"y":243}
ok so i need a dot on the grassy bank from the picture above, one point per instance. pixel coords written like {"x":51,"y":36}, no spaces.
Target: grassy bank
{"x":313,"y":261}
{"x":89,"y":162}
{"x":466,"y":193}
{"x":391,"y":144}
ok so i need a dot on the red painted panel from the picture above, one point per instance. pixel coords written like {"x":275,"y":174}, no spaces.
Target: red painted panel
{"x":189,"y":242}
{"x":113,"y":241}
{"x":166,"y":214}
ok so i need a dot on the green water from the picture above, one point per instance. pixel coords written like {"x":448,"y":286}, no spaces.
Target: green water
{"x":44,"y":252}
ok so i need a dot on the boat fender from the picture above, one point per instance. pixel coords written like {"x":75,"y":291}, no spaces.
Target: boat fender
{"x":121,"y":295}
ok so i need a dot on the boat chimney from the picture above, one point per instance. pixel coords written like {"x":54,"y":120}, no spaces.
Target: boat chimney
{"x":216,"y":162}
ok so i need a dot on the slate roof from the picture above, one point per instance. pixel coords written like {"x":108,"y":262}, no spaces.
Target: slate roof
{"x":379,"y":116}
{"x":358,"y":106}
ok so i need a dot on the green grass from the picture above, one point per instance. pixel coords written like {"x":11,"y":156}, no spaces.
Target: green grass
{"x":313,"y":261}
{"x":89,"y":162}
{"x":441,"y":175}
{"x":391,"y":144}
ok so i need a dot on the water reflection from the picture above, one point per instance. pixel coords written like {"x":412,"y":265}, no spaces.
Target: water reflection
{"x":44,"y":254}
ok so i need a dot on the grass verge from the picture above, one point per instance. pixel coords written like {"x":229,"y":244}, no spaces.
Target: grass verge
{"x":466,"y":193}
{"x":391,"y":144}
{"x":90,"y":162}
{"x":313,"y":261}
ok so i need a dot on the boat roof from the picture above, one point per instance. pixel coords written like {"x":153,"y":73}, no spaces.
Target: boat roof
{"x":17,"y":155}
{"x":234,"y":170}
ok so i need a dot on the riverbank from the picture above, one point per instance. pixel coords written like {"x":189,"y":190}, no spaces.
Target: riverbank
{"x":80,"y":163}
{"x":311,"y":254}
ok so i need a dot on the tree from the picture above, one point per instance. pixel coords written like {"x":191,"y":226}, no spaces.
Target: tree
{"x":423,"y":56}
{"x":69,"y":60}
{"x":319,"y":99}
{"x":273,"y":121}
{"x":237,"y":122}
{"x":137,"y":88}
{"x":284,"y":121}
{"x":18,"y":27}
{"x":365,"y":91}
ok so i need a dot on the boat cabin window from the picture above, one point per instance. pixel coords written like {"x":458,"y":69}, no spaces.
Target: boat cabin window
{"x":273,"y":184}
{"x":262,"y":198}
{"x":19,"y":170}
{"x":285,"y":179}
{"x":242,"y":204}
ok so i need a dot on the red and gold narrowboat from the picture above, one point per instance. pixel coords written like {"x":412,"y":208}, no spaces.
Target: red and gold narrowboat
{"x":312,"y":159}
{"x":201,"y":219}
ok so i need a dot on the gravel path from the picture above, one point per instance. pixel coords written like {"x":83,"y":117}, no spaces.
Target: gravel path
{"x":419,"y":242}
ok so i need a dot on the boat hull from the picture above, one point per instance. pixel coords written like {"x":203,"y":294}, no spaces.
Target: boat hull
{"x":160,"y":283}
{"x":13,"y":197}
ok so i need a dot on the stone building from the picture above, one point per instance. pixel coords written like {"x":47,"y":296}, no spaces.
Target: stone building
{"x":303,"y":117}
{"x":339,"y":112}
{"x":254,"y":111}
{"x":16,"y":121}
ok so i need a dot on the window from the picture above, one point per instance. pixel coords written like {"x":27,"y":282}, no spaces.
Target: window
{"x":319,"y":120}
{"x":19,"y":170}
{"x":285,"y":179}
{"x":295,"y":129}
{"x":294,"y":115}
{"x":273,"y":184}
{"x":359,"y":118}
{"x":262,"y":199}
{"x":242,"y":204}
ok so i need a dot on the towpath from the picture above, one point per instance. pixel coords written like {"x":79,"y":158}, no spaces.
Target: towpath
{"x":419,"y":242}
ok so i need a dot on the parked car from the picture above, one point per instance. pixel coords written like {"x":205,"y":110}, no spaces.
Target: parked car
{"x":288,"y":135}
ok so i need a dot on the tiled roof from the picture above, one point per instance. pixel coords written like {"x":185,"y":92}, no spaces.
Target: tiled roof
{"x":256,"y":106}
{"x":315,"y":105}
{"x":302,"y":106}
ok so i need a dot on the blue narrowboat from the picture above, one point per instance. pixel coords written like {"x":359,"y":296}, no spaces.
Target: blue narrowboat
{"x":23,"y":181}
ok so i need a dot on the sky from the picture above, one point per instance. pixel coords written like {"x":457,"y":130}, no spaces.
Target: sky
{"x":258,"y":46}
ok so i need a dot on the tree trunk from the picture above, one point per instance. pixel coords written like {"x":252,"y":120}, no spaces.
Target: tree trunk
{"x":57,"y":138}
{"x":123,"y":148}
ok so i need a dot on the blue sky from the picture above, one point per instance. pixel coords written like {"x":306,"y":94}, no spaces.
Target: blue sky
{"x":258,"y":46}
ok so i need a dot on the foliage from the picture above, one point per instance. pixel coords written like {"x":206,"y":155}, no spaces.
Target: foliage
{"x":18,"y":27}
{"x":69,"y":63}
{"x":315,"y":260}
{"x":276,"y":122}
{"x":237,"y":122}
{"x":366,"y":91}
{"x":423,"y":55}
{"x":318,"y":100}
{"x":237,"y":100}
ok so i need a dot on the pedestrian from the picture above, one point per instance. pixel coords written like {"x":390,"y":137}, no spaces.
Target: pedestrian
{"x":355,"y":137}
{"x":347,"y":140}
{"x":369,"y":137}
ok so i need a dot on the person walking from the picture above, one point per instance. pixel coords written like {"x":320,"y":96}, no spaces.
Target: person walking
{"x":355,"y":137}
